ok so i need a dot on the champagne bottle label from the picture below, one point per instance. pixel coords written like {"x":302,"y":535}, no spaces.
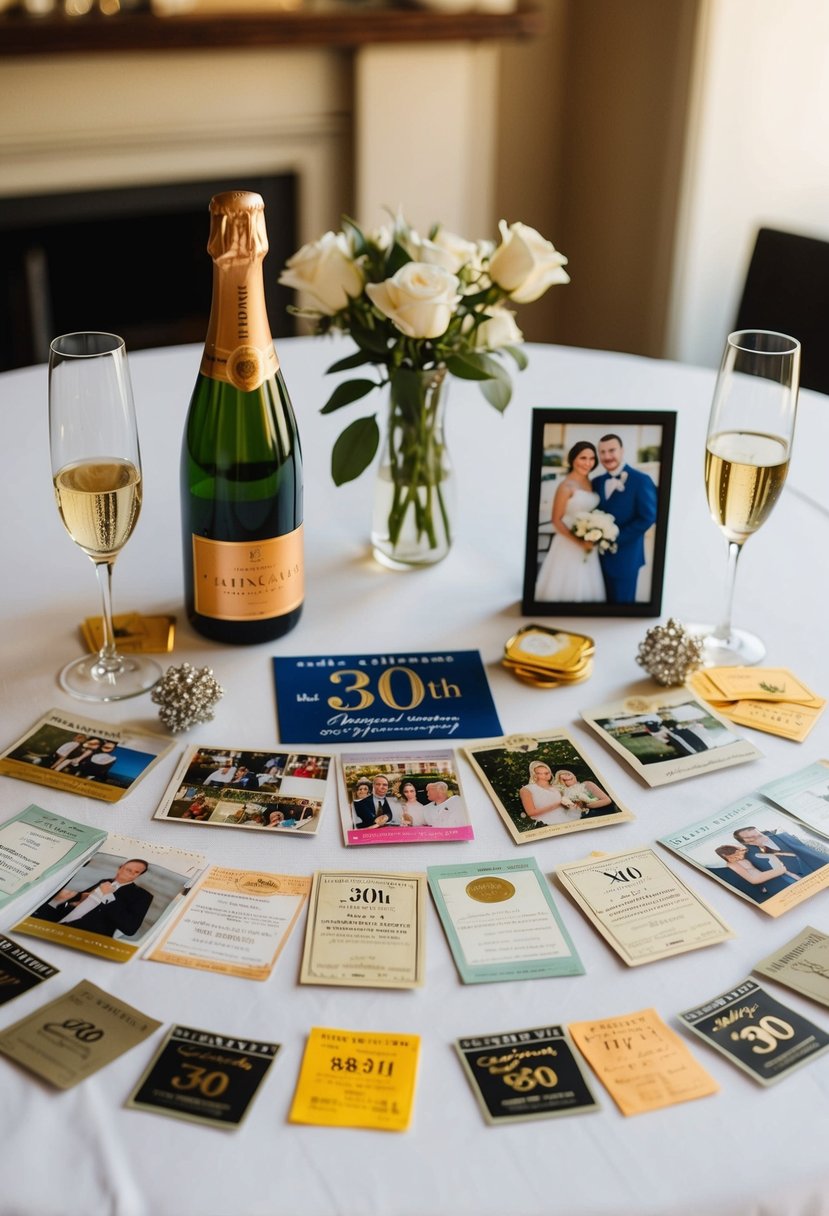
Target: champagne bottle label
{"x":246,"y":581}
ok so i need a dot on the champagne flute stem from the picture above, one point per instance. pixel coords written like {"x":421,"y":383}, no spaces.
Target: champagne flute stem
{"x":108,"y":658}
{"x":722,"y":632}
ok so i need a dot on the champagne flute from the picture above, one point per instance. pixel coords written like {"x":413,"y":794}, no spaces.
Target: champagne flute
{"x":96,"y":470}
{"x":747,"y":452}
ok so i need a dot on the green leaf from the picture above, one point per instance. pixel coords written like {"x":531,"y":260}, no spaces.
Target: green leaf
{"x":374,"y":340}
{"x":397,"y":257}
{"x":355,"y":360}
{"x":518,"y":355}
{"x":474,"y":365}
{"x":354,"y":450}
{"x":498,"y":392}
{"x":344,"y":394}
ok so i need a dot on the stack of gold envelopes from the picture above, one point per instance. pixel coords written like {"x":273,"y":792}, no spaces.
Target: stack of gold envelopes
{"x":767,"y":698}
{"x":549,"y":657}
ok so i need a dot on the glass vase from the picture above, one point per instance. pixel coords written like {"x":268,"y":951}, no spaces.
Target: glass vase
{"x":414,"y":497}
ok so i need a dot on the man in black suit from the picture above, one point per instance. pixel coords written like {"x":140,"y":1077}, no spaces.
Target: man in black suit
{"x":375,"y":810}
{"x":114,"y":904}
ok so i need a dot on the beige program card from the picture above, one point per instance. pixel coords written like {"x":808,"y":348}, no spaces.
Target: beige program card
{"x":641,"y":1062}
{"x":365,"y":930}
{"x":640,"y":907}
{"x":802,"y":965}
{"x":69,"y":1039}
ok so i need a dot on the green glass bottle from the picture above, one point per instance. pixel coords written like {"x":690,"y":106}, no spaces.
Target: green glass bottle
{"x":241,"y":465}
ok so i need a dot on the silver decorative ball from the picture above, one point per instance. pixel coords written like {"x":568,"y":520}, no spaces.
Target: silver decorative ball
{"x":670,"y":653}
{"x":187,"y":695}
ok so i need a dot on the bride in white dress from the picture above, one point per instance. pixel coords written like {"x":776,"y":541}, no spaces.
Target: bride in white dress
{"x":570,"y":572}
{"x":542,"y":800}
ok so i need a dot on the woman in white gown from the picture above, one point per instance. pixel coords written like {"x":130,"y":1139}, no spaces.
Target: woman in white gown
{"x":570,"y":572}
{"x":542,"y":800}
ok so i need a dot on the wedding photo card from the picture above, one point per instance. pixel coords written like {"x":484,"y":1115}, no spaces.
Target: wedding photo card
{"x":669,"y":735}
{"x":643,"y":1064}
{"x":374,"y":698}
{"x":52,"y":1044}
{"x":544,"y":785}
{"x":365,"y":930}
{"x":501,"y":922}
{"x":235,"y":922}
{"x":96,"y":759}
{"x":274,"y":791}
{"x":35,"y":844}
{"x":640,"y":907}
{"x":759,"y":1034}
{"x":19,"y":970}
{"x":115,"y":903}
{"x":801,"y":964}
{"x":597,"y":514}
{"x":204,"y":1077}
{"x":402,"y":798}
{"x":355,"y":1078}
{"x":759,"y":852}
{"x":525,"y":1074}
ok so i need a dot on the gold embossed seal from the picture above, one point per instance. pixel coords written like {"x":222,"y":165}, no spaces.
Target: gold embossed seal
{"x":490,"y":889}
{"x":246,"y":368}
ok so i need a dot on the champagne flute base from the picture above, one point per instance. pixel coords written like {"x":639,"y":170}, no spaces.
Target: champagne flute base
{"x":739,"y":649}
{"x":88,"y":680}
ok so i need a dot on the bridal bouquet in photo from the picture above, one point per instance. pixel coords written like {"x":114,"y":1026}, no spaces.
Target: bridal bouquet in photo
{"x":598,"y":528}
{"x":419,"y":309}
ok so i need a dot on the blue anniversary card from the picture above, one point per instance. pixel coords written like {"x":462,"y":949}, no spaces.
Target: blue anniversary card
{"x":371,"y":697}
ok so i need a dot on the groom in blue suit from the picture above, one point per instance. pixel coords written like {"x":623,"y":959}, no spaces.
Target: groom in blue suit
{"x":630,"y":497}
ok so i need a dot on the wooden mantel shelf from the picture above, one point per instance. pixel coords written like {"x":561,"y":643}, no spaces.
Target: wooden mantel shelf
{"x":339,"y":25}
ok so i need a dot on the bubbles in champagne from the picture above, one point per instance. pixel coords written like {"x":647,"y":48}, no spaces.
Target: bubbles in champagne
{"x":99,"y":502}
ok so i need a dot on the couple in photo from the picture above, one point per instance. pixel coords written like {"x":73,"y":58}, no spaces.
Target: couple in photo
{"x":573,"y":570}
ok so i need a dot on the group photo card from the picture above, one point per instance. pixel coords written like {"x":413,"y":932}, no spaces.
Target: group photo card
{"x":758,"y":1033}
{"x":544,"y":785}
{"x":35,"y":844}
{"x":379,"y":698}
{"x":501,"y":922}
{"x":597,"y":515}
{"x":525,"y":1074}
{"x":97,"y":759}
{"x":275,"y":791}
{"x":48,"y":1044}
{"x":643,"y":1064}
{"x":394,"y":797}
{"x":366,"y":930}
{"x":641,"y":908}
{"x":204,"y":1077}
{"x":668,"y":736}
{"x":801,"y":964}
{"x":234,"y":922}
{"x":758,"y":851}
{"x":115,"y":903}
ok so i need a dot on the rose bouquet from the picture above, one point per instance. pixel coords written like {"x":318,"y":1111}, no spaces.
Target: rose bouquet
{"x":419,"y":309}
{"x":598,"y":528}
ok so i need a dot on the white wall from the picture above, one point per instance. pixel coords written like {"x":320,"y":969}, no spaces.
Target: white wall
{"x":757,"y":155}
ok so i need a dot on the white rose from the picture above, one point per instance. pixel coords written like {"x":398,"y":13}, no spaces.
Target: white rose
{"x":324,"y":271}
{"x":445,"y":249}
{"x":498,"y":330}
{"x":593,"y":535}
{"x":525,"y":264}
{"x":420,"y":299}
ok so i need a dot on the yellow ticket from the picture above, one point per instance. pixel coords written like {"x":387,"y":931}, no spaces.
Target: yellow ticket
{"x":355,"y":1078}
{"x":704,"y":687}
{"x":777,"y":718}
{"x":641,"y":1062}
{"x":759,"y":684}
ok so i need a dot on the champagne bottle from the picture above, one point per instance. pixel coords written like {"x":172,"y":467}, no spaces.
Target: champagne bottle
{"x":241,"y":466}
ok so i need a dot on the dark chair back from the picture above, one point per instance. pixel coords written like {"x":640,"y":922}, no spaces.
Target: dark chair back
{"x":787,"y":289}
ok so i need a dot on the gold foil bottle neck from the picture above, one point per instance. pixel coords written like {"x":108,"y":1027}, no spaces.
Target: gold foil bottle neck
{"x":237,"y":227}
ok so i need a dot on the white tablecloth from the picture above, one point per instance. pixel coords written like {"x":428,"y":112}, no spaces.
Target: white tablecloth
{"x":747,"y":1150}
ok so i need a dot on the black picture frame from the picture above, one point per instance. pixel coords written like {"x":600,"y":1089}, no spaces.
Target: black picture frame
{"x":647,"y":442}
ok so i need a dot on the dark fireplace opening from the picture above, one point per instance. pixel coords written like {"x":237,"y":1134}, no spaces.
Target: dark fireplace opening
{"x":129,"y":261}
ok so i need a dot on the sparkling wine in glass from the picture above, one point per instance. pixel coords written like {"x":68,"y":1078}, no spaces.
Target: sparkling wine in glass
{"x":96,"y":470}
{"x":747,"y":453}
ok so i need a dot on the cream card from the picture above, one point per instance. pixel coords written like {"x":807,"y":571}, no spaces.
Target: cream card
{"x":802,"y":965}
{"x":365,"y":930}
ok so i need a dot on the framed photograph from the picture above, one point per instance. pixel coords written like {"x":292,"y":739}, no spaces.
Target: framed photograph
{"x":597,"y":517}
